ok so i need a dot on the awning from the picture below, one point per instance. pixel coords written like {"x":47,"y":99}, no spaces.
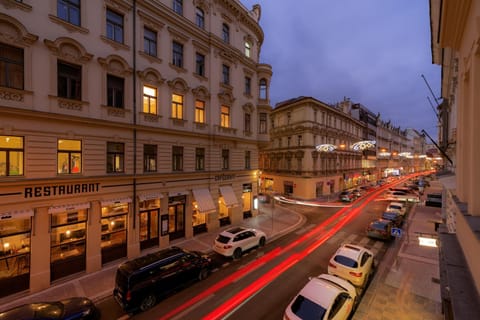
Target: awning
{"x":204,"y":200}
{"x":16,"y":214}
{"x":150,"y":196}
{"x":69,"y":207}
{"x":229,"y":196}
{"x":106,"y":203}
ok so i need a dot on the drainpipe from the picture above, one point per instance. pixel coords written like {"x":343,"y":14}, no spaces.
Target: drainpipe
{"x":134,"y":48}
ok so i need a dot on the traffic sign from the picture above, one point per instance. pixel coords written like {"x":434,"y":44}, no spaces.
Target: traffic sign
{"x":396,"y":232}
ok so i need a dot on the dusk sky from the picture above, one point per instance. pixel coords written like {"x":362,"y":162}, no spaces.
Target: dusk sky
{"x":371,"y":51}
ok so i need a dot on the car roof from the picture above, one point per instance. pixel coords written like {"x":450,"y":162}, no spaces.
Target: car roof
{"x":234,"y":230}
{"x":328,"y":286}
{"x":350,"y":250}
{"x":142,"y":262}
{"x":393,"y":203}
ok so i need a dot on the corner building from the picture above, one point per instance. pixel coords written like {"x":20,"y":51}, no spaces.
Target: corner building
{"x":124,"y":125}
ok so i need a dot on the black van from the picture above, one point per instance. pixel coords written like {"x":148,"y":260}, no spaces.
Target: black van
{"x":141,"y":282}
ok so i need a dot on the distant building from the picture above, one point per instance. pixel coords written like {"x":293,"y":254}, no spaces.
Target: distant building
{"x":124,"y":125}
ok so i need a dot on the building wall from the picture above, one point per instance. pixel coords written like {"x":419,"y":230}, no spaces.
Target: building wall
{"x":38,"y":115}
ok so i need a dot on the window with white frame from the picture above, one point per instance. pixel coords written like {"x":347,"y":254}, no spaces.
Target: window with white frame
{"x":177,"y":106}
{"x":114,"y":26}
{"x":149,"y":100}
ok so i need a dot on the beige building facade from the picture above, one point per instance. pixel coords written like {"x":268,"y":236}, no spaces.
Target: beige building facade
{"x":455,"y":35}
{"x":124,"y":125}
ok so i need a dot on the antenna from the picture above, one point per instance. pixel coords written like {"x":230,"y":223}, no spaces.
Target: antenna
{"x":430,"y":90}
{"x":436,"y":113}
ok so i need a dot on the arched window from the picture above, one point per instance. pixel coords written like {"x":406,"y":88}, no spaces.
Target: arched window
{"x":226,"y":33}
{"x":200,"y":18}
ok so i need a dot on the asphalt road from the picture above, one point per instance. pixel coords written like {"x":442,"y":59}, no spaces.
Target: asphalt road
{"x":263,"y":291}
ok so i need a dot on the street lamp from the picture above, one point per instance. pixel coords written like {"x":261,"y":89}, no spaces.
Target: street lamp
{"x":325,"y":148}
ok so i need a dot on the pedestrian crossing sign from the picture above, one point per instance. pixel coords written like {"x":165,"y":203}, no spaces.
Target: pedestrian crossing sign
{"x":396,"y":232}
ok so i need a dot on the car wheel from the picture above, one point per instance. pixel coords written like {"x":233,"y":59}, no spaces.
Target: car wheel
{"x":237,"y":254}
{"x":148,"y":302}
{"x":203,"y":274}
{"x":262,"y":241}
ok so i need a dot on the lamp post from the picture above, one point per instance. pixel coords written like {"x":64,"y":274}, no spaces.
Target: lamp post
{"x":325,"y":148}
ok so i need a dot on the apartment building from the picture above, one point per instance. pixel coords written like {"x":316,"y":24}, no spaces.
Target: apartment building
{"x":312,"y":149}
{"x":124,"y":125}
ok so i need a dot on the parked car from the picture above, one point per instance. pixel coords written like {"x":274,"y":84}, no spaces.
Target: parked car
{"x":346,"y":196}
{"x":434,"y":200}
{"x":235,"y":241}
{"x":71,"y":309}
{"x":352,"y":263}
{"x":395,"y":217}
{"x":141,"y":282}
{"x":323,"y":297}
{"x":380,"y":229}
{"x":401,"y":196}
{"x":396,"y":207}
{"x":356,"y":193}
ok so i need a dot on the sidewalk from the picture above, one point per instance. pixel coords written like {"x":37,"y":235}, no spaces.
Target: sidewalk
{"x":404,"y":287}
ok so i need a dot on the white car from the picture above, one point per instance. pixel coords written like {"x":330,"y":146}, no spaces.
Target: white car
{"x":401,"y":196}
{"x":352,"y":263}
{"x":236,"y":240}
{"x":398,"y":207}
{"x":323,"y":297}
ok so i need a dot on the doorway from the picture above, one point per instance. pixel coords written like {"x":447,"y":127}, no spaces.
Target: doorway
{"x":149,"y":228}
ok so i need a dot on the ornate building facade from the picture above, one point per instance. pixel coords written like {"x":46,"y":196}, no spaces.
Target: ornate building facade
{"x":124,"y":125}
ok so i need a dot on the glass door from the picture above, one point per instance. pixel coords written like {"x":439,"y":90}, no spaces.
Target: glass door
{"x":149,"y":228}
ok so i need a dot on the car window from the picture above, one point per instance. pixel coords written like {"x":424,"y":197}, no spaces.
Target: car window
{"x":223,"y":239}
{"x":337,"y":304}
{"x":346,"y":261}
{"x":249,"y":234}
{"x":239,"y":237}
{"x":365,"y":258}
{"x":304,"y":308}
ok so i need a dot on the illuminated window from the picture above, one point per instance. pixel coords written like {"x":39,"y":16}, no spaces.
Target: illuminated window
{"x":149,"y":100}
{"x":69,"y":156}
{"x":177,"y":106}
{"x":199,"y":111}
{"x":225,"y":117}
{"x":149,"y":158}
{"x":115,"y":157}
{"x":11,"y":156}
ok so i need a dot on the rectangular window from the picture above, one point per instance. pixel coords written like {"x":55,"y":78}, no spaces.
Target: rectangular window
{"x":11,"y":67}
{"x":247,"y":159}
{"x":69,"y":81}
{"x":225,"y":74}
{"x":299,"y":141}
{"x":200,"y":18}
{"x":177,"y":54}
{"x":199,"y":159}
{"x":11,"y":156}
{"x":115,"y":91}
{"x":177,"y":106}
{"x":248,"y":86}
{"x":149,"y":100}
{"x":226,"y":33}
{"x":149,"y":158}
{"x":69,"y":156}
{"x":199,"y":111}
{"x":114,"y":26}
{"x":69,"y":10}
{"x":177,"y":158}
{"x":247,"y":123}
{"x":178,"y":6}
{"x":248,"y":49}
{"x":115,"y":157}
{"x":262,"y":128}
{"x":150,"y":42}
{"x":200,"y":64}
{"x":225,"y":117}
{"x":225,"y":159}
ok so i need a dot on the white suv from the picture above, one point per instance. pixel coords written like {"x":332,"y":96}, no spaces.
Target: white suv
{"x":352,"y":263}
{"x":234,"y":241}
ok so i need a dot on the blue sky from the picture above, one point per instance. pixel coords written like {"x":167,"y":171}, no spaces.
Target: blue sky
{"x":371,"y":51}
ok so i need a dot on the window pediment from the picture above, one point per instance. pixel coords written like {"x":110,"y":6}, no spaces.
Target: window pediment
{"x":248,"y":107}
{"x":68,"y":49}
{"x":201,"y":92}
{"x":116,"y":65}
{"x":14,"y":32}
{"x":178,"y":85}
{"x":152,"y":76}
{"x":226,"y":98}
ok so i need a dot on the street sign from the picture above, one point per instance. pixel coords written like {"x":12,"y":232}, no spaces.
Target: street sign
{"x":396,"y":232}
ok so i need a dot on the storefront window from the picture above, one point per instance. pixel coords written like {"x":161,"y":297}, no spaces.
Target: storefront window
{"x":114,"y":232}
{"x":223,"y":213}
{"x":67,"y":243}
{"x":14,"y":255}
{"x":199,"y":221}
{"x":247,"y":200}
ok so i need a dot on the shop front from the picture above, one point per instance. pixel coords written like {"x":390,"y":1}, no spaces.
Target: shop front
{"x":176,"y":215}
{"x":68,"y":239}
{"x":149,"y":206}
{"x":202,"y":206}
{"x":15,"y":233}
{"x":226,"y":202}
{"x":114,"y":229}
{"x":247,"y":197}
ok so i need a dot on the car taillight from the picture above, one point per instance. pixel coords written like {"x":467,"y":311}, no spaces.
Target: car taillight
{"x":227,"y":246}
{"x":331,"y":265}
{"x":356,"y":274}
{"x":128,"y":296}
